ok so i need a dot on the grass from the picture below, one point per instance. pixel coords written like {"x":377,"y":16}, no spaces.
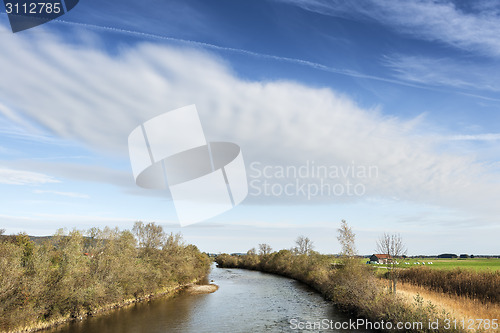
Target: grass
{"x":477,"y":264}
{"x":483,"y":285}
{"x":459,"y":307}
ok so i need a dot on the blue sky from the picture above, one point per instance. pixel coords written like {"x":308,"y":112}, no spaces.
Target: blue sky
{"x":407,"y":87}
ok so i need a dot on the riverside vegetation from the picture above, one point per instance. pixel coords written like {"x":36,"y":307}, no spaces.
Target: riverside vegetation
{"x":482,"y":285}
{"x":72,"y":275}
{"x":352,"y":286}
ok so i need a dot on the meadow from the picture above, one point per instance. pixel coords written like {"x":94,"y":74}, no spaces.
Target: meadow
{"x":477,"y":264}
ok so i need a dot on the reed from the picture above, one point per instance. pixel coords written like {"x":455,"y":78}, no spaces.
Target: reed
{"x":460,"y":307}
{"x":479,"y":285}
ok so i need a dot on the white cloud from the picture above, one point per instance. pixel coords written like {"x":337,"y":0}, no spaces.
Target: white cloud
{"x":473,"y":29}
{"x":20,"y":177}
{"x":83,"y":172}
{"x":476,"y":137}
{"x":78,"y":92}
{"x":445,"y":72}
{"x":208,"y":46}
{"x":64,"y":194}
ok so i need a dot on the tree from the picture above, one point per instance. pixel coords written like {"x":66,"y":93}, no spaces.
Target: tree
{"x":346,"y":239}
{"x":251,"y":260}
{"x":265,"y":249}
{"x":25,"y":243}
{"x":304,"y":245}
{"x":150,"y":236}
{"x":393,"y":246}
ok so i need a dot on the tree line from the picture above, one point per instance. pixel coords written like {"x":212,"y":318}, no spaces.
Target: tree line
{"x":351,"y":285}
{"x":73,"y":274}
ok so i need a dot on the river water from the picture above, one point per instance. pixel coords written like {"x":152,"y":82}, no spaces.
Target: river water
{"x":246,"y":302}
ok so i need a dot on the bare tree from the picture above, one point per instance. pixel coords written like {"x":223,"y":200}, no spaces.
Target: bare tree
{"x":393,"y":246}
{"x":346,"y":239}
{"x":2,"y":231}
{"x":265,"y":249}
{"x":304,"y":245}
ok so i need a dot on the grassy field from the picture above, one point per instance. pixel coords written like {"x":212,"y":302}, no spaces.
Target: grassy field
{"x":478,"y":264}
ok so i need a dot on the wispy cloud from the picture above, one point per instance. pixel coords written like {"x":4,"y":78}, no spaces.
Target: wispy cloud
{"x":401,"y":80}
{"x":476,"y":137}
{"x":209,"y":46}
{"x":445,"y":72}
{"x":83,"y":172}
{"x":64,"y":194}
{"x":77,"y":92}
{"x":20,"y":177}
{"x":473,"y":29}
{"x":14,"y":125}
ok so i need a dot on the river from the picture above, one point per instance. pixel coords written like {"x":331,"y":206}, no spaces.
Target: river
{"x":246,"y":302}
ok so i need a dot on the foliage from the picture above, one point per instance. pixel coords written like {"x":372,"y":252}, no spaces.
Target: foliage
{"x":347,"y":240}
{"x":352,"y":286}
{"x":70,"y":274}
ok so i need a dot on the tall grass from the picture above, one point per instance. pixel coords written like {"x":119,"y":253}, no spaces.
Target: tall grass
{"x":482,"y":285}
{"x":459,"y":306}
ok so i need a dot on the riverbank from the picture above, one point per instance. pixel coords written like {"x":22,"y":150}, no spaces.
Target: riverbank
{"x":352,"y":287}
{"x":71,"y":276}
{"x":246,"y":301}
{"x":55,"y":322}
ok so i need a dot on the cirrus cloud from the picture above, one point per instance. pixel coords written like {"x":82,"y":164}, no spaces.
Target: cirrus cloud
{"x":82,"y":93}
{"x":20,"y":177}
{"x":474,"y":29}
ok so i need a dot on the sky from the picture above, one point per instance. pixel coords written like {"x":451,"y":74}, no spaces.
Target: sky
{"x":384,"y":114}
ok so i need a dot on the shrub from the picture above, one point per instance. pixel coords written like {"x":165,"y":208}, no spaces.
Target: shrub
{"x":351,"y":286}
{"x":70,"y":275}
